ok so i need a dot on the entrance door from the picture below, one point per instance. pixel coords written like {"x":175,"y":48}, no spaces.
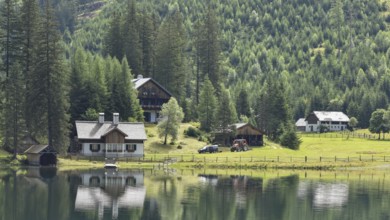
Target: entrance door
{"x":147,"y":116}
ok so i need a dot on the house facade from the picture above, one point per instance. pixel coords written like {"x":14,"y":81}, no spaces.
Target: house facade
{"x":151,"y":96}
{"x":110,"y":139}
{"x":318,"y":121}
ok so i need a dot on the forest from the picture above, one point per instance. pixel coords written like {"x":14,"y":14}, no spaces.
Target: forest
{"x":264,"y":62}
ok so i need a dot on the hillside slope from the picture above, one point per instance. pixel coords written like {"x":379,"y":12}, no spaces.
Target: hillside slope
{"x":330,"y":54}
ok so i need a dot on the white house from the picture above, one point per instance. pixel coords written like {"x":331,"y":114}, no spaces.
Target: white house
{"x":110,"y":138}
{"x":332,"y":121}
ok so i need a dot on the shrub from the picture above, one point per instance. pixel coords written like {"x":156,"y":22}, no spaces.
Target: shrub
{"x":192,"y":132}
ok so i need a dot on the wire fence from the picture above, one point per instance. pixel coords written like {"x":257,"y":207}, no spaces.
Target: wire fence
{"x":345,"y":134}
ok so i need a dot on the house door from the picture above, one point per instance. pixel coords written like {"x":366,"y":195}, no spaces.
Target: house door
{"x":147,"y":116}
{"x":311,"y":128}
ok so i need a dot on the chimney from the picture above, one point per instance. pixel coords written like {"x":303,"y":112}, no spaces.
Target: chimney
{"x":115,"y":118}
{"x":140,"y":76}
{"x":101,"y":118}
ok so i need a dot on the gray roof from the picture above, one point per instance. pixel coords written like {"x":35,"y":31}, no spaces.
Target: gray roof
{"x":141,"y":81}
{"x":93,"y":130}
{"x":331,"y":116}
{"x":36,"y":149}
{"x":301,"y":122}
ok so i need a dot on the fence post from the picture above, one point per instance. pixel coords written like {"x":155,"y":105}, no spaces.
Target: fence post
{"x":360,"y":157}
{"x":290,"y":158}
{"x":384,"y":158}
{"x":320,"y":159}
{"x":372,"y":158}
{"x":305,"y":159}
{"x":335,"y":158}
{"x":278,"y":158}
{"x":348,"y":158}
{"x":193,"y":159}
{"x":216,"y":160}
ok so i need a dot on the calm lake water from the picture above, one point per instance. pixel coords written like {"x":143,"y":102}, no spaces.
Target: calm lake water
{"x":42,"y":194}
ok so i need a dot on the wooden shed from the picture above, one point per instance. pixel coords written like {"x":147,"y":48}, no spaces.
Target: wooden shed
{"x":251,"y":134}
{"x":41,"y":155}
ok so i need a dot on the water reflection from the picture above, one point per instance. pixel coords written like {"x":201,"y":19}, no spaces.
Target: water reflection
{"x":39,"y":194}
{"x":110,"y":189}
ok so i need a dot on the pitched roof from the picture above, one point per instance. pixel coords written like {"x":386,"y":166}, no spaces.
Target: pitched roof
{"x":331,"y":116}
{"x":36,"y":149}
{"x":301,"y":122}
{"x":93,"y":130}
{"x":141,"y":81}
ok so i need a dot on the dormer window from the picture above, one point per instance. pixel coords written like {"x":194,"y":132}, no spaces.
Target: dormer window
{"x":145,"y":93}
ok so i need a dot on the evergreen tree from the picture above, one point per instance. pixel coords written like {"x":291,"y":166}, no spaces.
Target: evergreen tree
{"x":243,"y":106}
{"x":11,"y":43}
{"x":208,"y":48}
{"x":147,"y":37}
{"x":226,"y":114}
{"x":131,"y":41}
{"x":113,"y":42}
{"x":172,"y":115}
{"x":49,"y":79}
{"x":78,"y":92}
{"x":170,"y":60}
{"x":29,"y":22}
{"x":207,"y":106}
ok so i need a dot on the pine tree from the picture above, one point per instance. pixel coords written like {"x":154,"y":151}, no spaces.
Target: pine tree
{"x":207,"y":106}
{"x":147,"y":37}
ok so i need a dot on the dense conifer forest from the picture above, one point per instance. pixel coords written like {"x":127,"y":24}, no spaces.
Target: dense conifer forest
{"x":265,"y":62}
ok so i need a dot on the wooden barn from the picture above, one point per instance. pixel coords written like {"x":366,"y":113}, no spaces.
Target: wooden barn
{"x":251,"y":134}
{"x":41,"y":155}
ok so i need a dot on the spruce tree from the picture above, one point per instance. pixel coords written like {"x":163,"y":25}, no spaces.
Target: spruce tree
{"x":131,"y":39}
{"x":242,"y":103}
{"x":170,"y":60}
{"x":29,"y":23}
{"x":50,"y":78}
{"x":207,"y":106}
{"x":208,"y":48}
{"x":226,"y":114}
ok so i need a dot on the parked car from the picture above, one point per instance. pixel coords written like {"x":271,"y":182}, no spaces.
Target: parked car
{"x":239,"y":145}
{"x":209,"y":149}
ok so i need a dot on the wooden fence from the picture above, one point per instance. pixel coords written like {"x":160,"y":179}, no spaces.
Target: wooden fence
{"x":344,"y":134}
{"x":166,"y":158}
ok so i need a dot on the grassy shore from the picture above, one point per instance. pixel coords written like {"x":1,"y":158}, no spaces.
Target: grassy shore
{"x":317,"y":152}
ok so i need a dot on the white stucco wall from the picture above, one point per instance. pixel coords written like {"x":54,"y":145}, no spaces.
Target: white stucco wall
{"x":332,"y":127}
{"x":86,"y":151}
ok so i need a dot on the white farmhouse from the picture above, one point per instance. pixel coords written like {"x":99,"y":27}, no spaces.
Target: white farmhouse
{"x":332,"y":121}
{"x":110,"y":138}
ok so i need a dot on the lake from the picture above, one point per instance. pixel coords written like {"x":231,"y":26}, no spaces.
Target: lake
{"x":43,"y":194}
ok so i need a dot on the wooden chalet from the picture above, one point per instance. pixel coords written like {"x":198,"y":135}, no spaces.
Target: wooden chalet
{"x":251,"y":134}
{"x":151,"y":96}
{"x":41,"y":155}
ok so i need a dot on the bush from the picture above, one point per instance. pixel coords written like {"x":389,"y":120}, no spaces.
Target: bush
{"x":192,"y":132}
{"x":290,"y":139}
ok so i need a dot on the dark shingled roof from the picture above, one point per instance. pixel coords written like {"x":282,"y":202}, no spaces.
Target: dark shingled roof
{"x":93,"y":130}
{"x":141,"y":81}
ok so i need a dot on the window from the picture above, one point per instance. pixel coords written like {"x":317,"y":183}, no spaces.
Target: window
{"x":114,"y":147}
{"x":131,"y":147}
{"x":94,"y":147}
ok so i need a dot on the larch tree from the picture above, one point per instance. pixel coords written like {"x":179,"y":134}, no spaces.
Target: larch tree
{"x":172,"y":115}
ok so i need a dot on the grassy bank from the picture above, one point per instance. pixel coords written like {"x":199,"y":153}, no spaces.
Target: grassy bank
{"x":317,"y":152}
